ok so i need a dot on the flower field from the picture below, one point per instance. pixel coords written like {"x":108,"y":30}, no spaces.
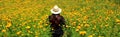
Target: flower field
{"x":84,"y":18}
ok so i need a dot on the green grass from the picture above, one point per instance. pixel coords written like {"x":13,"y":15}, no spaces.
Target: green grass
{"x":96,"y":18}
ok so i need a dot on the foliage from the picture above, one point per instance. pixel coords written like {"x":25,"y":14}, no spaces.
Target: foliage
{"x":84,"y":18}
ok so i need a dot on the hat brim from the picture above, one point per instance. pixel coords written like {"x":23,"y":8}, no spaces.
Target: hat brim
{"x":58,"y":12}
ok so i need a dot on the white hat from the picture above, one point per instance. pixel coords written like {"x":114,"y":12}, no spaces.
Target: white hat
{"x":56,"y":10}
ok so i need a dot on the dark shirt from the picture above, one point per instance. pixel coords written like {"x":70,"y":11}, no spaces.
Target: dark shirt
{"x":56,"y":21}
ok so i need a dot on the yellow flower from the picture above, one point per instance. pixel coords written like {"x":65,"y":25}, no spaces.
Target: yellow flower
{"x":3,"y":30}
{"x":24,"y":23}
{"x":81,"y":25}
{"x":36,"y":36}
{"x":87,"y":25}
{"x":40,"y":26}
{"x":78,"y":27}
{"x":100,"y":36}
{"x":74,"y":23}
{"x":90,"y":36}
{"x":52,"y":29}
{"x":8,"y":24}
{"x":107,"y":18}
{"x":85,"y":17}
{"x":82,"y":32}
{"x":28,"y":27}
{"x":18,"y":32}
{"x":29,"y":31}
{"x":46,"y":24}
{"x":117,"y":20}
{"x":84,"y":22}
{"x":77,"y":30}
{"x":107,"y":25}
{"x":67,"y":26}
{"x":34,"y":26}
